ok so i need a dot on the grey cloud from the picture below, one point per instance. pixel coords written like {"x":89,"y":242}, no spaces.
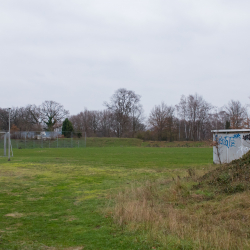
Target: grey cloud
{"x":79,"y":52}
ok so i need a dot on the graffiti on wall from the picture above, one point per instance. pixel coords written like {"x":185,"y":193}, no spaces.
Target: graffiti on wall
{"x":246,"y":137}
{"x":228,"y":141}
{"x":246,"y":143}
{"x":242,"y":149}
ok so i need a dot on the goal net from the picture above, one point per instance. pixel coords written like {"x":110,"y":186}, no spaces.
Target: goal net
{"x":4,"y":144}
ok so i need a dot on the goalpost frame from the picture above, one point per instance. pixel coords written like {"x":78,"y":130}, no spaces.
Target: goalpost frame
{"x":9,"y":144}
{"x":4,"y":142}
{"x":6,"y":135}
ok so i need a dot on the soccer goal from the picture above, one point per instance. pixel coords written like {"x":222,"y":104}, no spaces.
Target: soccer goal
{"x":4,"y":144}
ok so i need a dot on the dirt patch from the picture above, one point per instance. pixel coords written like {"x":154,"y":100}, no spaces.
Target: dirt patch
{"x":74,"y":248}
{"x":68,"y":248}
{"x":15,"y":215}
{"x":34,"y":199}
{"x":71,"y":218}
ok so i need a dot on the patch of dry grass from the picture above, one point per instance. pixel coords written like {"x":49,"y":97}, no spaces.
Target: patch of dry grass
{"x":166,"y":209}
{"x":14,"y":215}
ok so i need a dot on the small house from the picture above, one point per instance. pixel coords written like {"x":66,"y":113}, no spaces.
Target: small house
{"x":230,"y":144}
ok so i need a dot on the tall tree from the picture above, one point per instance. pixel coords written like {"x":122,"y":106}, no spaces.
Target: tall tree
{"x":237,"y":114}
{"x":124,"y":104}
{"x":4,"y":119}
{"x":161,"y":120}
{"x":24,"y":118}
{"x":193,"y":110}
{"x":182,"y":112}
{"x":87,"y":121}
{"x":67,"y":128}
{"x":106,"y":123}
{"x":52,"y":114}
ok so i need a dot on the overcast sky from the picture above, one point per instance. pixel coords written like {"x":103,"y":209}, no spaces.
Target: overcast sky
{"x":79,"y":52}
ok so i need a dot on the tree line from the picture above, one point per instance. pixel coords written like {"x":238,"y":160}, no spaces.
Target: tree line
{"x":192,"y":118}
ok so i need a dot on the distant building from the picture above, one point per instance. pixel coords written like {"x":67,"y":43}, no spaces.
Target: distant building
{"x":231,"y":144}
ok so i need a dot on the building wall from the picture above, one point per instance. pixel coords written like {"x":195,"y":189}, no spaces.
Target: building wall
{"x":231,"y":146}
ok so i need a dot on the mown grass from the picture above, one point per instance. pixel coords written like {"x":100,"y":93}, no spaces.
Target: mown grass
{"x":176,"y":144}
{"x":97,"y":142}
{"x":128,"y":157}
{"x":75,"y":142}
{"x":57,"y":198}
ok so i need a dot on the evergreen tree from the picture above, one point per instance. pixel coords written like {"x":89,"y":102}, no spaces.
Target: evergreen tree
{"x":227,"y":124}
{"x":67,"y":128}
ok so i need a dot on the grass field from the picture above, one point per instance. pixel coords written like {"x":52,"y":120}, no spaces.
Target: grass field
{"x":97,"y":142}
{"x":58,"y":198}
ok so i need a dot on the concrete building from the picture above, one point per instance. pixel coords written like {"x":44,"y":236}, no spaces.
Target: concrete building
{"x":231,"y":144}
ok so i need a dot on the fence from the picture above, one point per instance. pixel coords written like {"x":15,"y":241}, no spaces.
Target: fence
{"x":48,"y":139}
{"x":3,"y":144}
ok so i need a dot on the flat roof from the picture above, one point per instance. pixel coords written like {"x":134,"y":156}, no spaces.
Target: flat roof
{"x":230,"y":130}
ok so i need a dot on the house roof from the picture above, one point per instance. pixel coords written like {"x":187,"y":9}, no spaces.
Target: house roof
{"x":230,"y":130}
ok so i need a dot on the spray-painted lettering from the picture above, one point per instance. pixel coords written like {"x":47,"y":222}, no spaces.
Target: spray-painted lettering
{"x":246,"y":137}
{"x":228,"y":141}
{"x":236,"y":136}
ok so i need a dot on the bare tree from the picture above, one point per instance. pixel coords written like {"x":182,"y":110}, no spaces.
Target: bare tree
{"x":52,"y":114}
{"x":182,"y":112}
{"x":193,"y":111}
{"x":137,"y":119}
{"x":106,"y":123}
{"x":4,"y":118}
{"x":193,"y":105}
{"x":219,"y":119}
{"x":124,"y":104}
{"x":237,"y":114}
{"x":27,"y":118}
{"x":24,"y":118}
{"x":33,"y":114}
{"x":246,"y":123}
{"x":89,"y":122}
{"x":216,"y":144}
{"x":203,"y":119}
{"x":161,"y":119}
{"x":94,"y":121}
{"x":81,"y":121}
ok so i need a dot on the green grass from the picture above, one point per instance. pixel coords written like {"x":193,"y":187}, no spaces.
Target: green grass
{"x":113,"y":142}
{"x":57,"y":197}
{"x":97,"y":142}
{"x":75,"y":143}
